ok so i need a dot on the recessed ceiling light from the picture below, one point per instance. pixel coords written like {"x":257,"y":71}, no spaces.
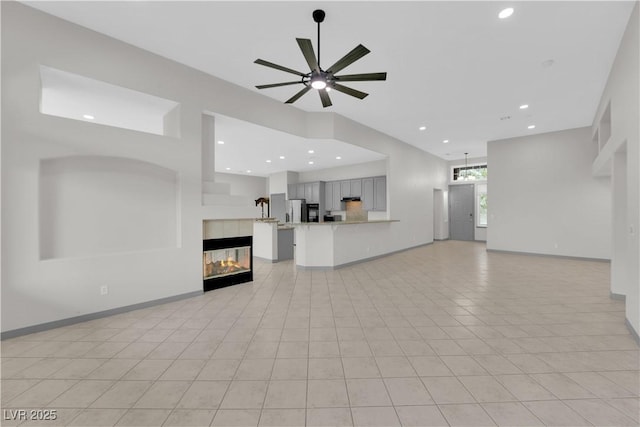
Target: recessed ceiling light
{"x":311,"y":151}
{"x":328,"y":89}
{"x":281,"y":157}
{"x":524,"y":106}
{"x":531,"y":126}
{"x":505,"y":13}
{"x":248,"y":170}
{"x":446,"y":141}
{"x":338,"y":158}
{"x":422,"y":127}
{"x":88,"y":116}
{"x":268,"y":161}
{"x":228,"y":169}
{"x":220,"y":142}
{"x":310,"y":162}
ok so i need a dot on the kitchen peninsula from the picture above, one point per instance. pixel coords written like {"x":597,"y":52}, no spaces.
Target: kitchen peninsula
{"x":329,"y":245}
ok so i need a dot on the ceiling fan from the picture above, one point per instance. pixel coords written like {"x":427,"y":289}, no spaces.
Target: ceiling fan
{"x":323,"y":80}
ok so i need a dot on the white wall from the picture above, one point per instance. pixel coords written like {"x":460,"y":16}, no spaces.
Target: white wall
{"x":480,"y":233}
{"x":622,"y":152}
{"x":441,"y":214}
{"x":92,"y":205}
{"x":242,"y":185}
{"x":361,"y":170}
{"x":278,"y":182}
{"x":543,"y":198}
{"x":35,"y":291}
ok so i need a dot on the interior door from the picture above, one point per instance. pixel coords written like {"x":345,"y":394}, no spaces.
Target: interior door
{"x":461,"y":212}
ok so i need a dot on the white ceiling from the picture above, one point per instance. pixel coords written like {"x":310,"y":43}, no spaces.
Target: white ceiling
{"x":247,"y":147}
{"x":452,"y":66}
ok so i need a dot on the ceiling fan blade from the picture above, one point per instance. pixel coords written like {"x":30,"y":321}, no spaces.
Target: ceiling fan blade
{"x":307,"y":50}
{"x":278,"y":84}
{"x":350,"y":91}
{"x":351,"y":57}
{"x":324,"y":97}
{"x":361,"y":77}
{"x":295,"y":97}
{"x":278,"y":67}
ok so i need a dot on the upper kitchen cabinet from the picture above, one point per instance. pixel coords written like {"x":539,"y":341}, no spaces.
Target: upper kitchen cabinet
{"x":337,"y":196}
{"x":328,"y":196}
{"x":367,"y":194}
{"x":372,"y":191}
{"x":356,"y":188}
{"x":345,"y":189}
{"x":351,"y":188}
{"x":312,"y":192}
{"x":380,"y":193}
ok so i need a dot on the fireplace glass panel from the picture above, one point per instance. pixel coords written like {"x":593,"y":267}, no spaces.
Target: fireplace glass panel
{"x":226,"y":262}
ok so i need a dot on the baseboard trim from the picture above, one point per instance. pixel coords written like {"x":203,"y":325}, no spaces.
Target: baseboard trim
{"x":267,"y":260}
{"x":633,"y":332}
{"x":348,"y":264}
{"x":619,"y":297}
{"x":577,"y":258}
{"x":92,"y":316}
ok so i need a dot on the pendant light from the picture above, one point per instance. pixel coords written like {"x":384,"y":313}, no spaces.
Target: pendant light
{"x":466,"y":167}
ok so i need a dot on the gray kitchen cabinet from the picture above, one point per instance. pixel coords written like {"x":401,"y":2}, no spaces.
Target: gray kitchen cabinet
{"x":345,"y":189}
{"x":300,"y":191}
{"x":308,"y":193}
{"x":367,"y":194}
{"x":285,"y":243}
{"x":380,"y":193}
{"x":328,"y":196}
{"x":356,"y":188}
{"x":337,"y":196}
{"x":312,"y":192}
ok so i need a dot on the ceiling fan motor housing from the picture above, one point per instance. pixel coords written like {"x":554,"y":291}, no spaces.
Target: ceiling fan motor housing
{"x":318,"y":15}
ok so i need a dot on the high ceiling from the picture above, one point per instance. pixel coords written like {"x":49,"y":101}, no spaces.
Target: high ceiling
{"x":453,"y":67}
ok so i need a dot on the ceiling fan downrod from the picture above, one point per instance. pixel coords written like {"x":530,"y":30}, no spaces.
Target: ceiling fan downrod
{"x":318,"y":17}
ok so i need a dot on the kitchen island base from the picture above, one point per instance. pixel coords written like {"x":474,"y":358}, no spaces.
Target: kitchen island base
{"x":335,"y":245}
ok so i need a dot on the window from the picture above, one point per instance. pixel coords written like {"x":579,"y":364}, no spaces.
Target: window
{"x":481,"y":208}
{"x":470,"y":173}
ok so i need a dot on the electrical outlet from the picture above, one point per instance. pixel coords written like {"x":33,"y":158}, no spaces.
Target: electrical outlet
{"x":104,"y":290}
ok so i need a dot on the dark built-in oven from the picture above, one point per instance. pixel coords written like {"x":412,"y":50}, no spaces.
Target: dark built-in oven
{"x":313,"y":212}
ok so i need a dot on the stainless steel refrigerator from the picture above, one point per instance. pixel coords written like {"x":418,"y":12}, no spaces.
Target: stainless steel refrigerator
{"x":297,"y":210}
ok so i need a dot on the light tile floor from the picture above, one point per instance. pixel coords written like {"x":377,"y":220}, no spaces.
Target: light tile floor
{"x":445,"y":334}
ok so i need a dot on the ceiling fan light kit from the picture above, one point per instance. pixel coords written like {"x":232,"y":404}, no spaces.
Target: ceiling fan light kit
{"x":323,"y":80}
